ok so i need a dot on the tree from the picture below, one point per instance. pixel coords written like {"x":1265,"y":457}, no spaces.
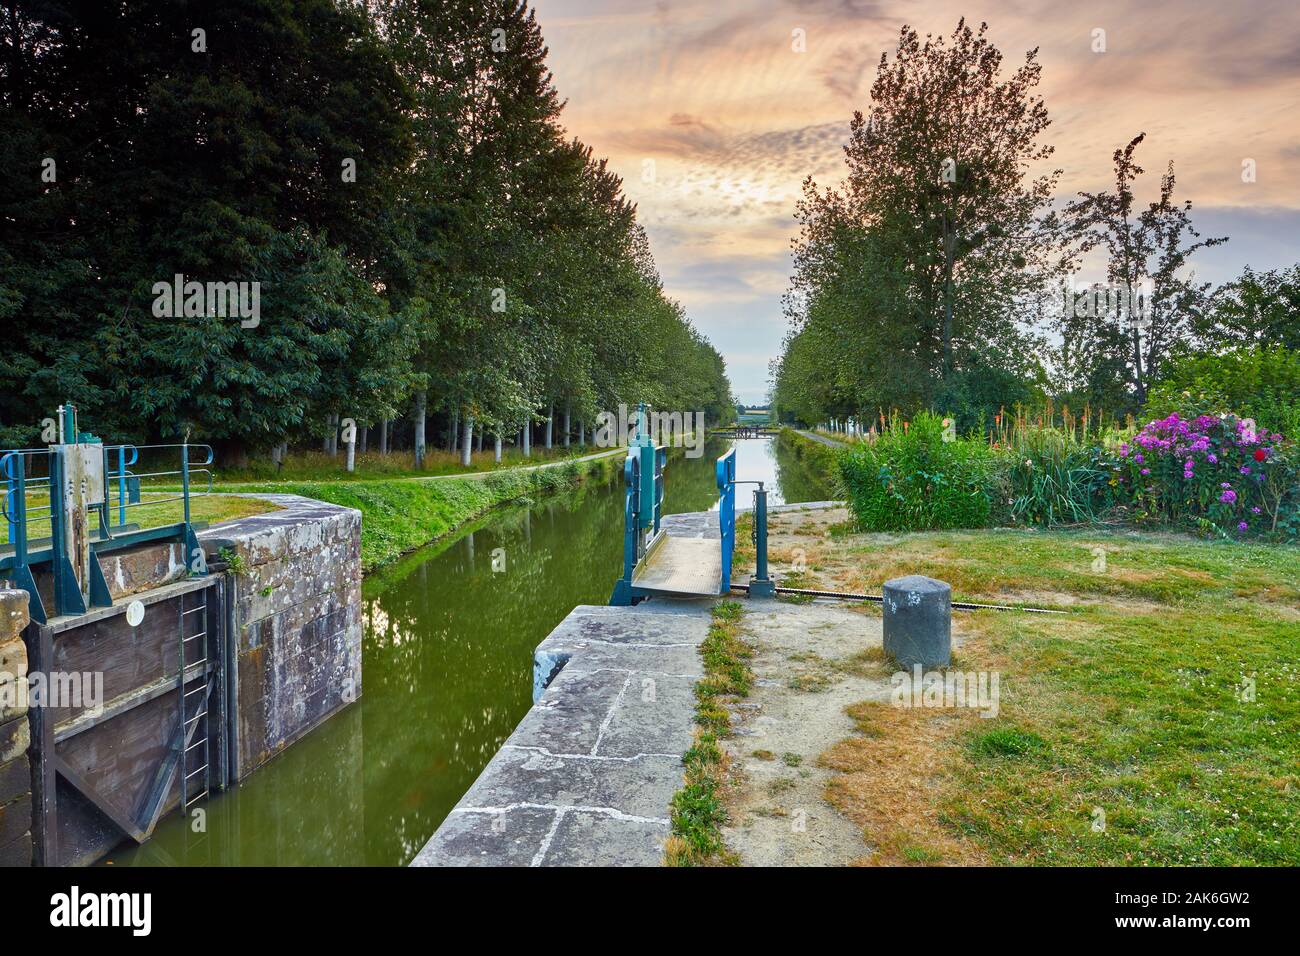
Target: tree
{"x":1256,"y":308}
{"x":394,"y":177}
{"x":220,"y":158}
{"x":915,"y":266}
{"x":1148,"y":246}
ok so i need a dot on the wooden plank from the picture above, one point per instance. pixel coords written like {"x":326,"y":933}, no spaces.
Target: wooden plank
{"x":168,"y":768}
{"x":45,"y":814}
{"x":164,"y":593}
{"x":128,"y":701}
{"x":84,"y":787}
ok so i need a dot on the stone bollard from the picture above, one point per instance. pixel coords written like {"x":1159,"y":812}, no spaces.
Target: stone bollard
{"x":918,"y":621}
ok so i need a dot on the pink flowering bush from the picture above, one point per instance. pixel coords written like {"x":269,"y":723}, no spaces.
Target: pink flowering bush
{"x":1218,"y":468}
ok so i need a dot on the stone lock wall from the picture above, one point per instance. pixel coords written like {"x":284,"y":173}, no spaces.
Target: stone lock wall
{"x":15,"y":735}
{"x":297,"y":620}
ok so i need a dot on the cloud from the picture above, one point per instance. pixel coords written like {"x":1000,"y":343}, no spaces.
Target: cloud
{"x":733,"y":120}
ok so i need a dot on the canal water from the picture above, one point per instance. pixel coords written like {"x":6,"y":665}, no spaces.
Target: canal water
{"x":447,"y":674}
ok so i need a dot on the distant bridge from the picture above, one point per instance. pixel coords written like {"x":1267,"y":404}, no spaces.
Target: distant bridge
{"x":739,"y":430}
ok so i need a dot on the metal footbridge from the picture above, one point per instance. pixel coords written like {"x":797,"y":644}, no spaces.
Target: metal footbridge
{"x":683,"y":562}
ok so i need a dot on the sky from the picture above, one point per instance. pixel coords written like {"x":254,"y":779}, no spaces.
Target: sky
{"x":714,"y":117}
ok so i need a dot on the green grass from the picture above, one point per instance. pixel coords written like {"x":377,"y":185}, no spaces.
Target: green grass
{"x":318,"y":466}
{"x":400,"y":515}
{"x":212,"y":509}
{"x":1007,"y":742}
{"x":1133,"y":707}
{"x":822,"y":458}
{"x":698,"y":812}
{"x":726,"y":668}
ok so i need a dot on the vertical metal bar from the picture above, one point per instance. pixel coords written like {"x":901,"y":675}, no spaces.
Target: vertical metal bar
{"x":185,"y":483}
{"x":180,"y":704}
{"x":45,"y":817}
{"x":121,"y":485}
{"x":18,"y":522}
{"x":760,"y":530}
{"x":9,"y":495}
{"x":726,"y":481}
{"x":216,"y":625}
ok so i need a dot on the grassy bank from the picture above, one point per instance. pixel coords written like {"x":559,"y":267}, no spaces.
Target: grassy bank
{"x":698,"y":813}
{"x":1155,"y":723}
{"x":820,"y":458}
{"x":400,"y":515}
{"x":371,"y":465}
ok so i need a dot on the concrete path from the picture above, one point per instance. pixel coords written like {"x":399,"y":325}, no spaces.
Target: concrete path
{"x":588,"y":776}
{"x":492,"y":471}
{"x":821,"y":439}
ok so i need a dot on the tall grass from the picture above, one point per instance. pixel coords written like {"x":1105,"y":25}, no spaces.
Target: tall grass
{"x":1053,"y":471}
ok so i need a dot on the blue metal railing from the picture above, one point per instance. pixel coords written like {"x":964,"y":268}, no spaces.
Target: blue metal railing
{"x":725,"y":470}
{"x":21,"y":470}
{"x":639,"y":524}
{"x":128,"y":484}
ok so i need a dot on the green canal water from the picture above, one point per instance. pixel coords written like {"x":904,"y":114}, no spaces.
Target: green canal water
{"x":447,"y":675}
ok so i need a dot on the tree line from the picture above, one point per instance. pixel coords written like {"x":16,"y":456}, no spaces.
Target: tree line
{"x":430,"y":250}
{"x":942,"y":272}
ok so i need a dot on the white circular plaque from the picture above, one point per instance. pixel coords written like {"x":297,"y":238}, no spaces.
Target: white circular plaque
{"x":135,"y":613}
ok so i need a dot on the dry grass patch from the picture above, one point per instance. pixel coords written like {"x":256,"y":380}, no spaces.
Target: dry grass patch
{"x":888,"y":781}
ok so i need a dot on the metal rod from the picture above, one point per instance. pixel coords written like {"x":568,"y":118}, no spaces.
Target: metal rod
{"x":876,"y":598}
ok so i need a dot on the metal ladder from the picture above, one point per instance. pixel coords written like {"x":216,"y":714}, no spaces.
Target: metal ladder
{"x":195,"y":761}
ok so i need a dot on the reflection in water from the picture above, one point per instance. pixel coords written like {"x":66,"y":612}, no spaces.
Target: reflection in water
{"x":788,"y":479}
{"x":447,"y":674}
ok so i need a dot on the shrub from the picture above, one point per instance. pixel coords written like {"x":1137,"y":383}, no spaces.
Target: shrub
{"x":912,"y":479}
{"x":1221,"y":469}
{"x":1260,"y":383}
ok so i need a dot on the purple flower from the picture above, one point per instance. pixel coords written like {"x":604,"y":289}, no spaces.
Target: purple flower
{"x":1139,"y":459}
{"x":1228,"y":496}
{"x":1242,"y":526}
{"x":1212,"y":458}
{"x":1244,"y":469}
{"x":1146,"y":471}
{"x":1255,"y":510}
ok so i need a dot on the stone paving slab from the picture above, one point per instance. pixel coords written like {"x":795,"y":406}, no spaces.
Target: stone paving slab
{"x":587,"y":777}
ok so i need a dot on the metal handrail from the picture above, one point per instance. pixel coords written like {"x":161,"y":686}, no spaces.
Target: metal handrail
{"x":20,"y":514}
{"x":725,"y":474}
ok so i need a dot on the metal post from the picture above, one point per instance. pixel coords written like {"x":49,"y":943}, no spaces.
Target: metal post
{"x":18,"y":537}
{"x":185,"y":481}
{"x":10,"y":507}
{"x":121,"y":484}
{"x":760,"y":585}
{"x":646,"y":454}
